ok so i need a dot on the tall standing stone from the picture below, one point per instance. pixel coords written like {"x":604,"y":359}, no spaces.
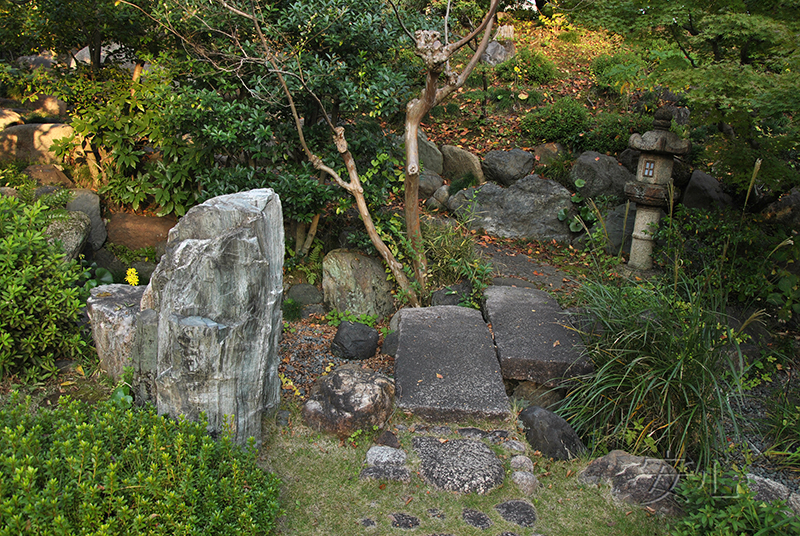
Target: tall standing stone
{"x":218,"y":291}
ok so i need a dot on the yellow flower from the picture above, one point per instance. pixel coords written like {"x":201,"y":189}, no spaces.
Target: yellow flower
{"x":131,"y":277}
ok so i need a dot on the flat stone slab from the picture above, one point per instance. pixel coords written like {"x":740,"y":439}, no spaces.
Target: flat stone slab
{"x":532,"y":336}
{"x":519,"y":512}
{"x":446,"y":366}
{"x":462,"y":465}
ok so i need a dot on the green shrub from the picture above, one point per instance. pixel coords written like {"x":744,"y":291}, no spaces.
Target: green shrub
{"x":610,"y":132}
{"x":39,"y":295}
{"x":82,"y":469}
{"x":619,"y":73}
{"x":565,"y":121}
{"x":720,"y":503}
{"x":527,"y":67}
{"x":467,"y":181}
{"x":335,"y":318}
{"x":291,"y":310}
{"x":667,"y":370}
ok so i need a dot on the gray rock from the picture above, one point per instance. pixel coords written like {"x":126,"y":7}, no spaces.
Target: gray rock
{"x":767,"y":490}
{"x":705,"y":192}
{"x":636,"y":480}
{"x":304,"y":294}
{"x":519,"y":512}
{"x":461,"y":465}
{"x":459,"y":163}
{"x":72,"y":232}
{"x":354,"y":340}
{"x":32,"y":142}
{"x":390,"y":344}
{"x":349,"y":399}
{"x":429,"y":182}
{"x":112,"y":312}
{"x":144,"y":357}
{"x":550,"y":434}
{"x":88,"y":202}
{"x":404,"y":521}
{"x":446,"y":366}
{"x":630,"y":159}
{"x":496,"y":53}
{"x":442,"y":194}
{"x":476,"y":518}
{"x":315,"y":309}
{"x":602,"y":174}
{"x":388,"y":439}
{"x":429,"y":155}
{"x":527,"y":209}
{"x":521,"y":463}
{"x":381,"y":455}
{"x":48,"y":175}
{"x":618,"y":227}
{"x":514,"y":446}
{"x":507,"y":167}
{"x":525,"y":481}
{"x":472,"y":433}
{"x":218,"y":291}
{"x":531,"y":343}
{"x":354,"y":282}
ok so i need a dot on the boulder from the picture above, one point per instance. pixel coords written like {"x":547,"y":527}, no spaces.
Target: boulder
{"x":636,"y":480}
{"x":442,"y":194}
{"x":112,"y":312}
{"x":348,"y":399}
{"x":218,"y":291}
{"x":507,"y":167}
{"x":47,"y":105}
{"x":389,"y":346}
{"x":458,"y":163}
{"x":429,"y":182}
{"x":618,"y":225}
{"x":32,"y":142}
{"x":136,"y":232}
{"x":49,"y":175}
{"x":521,"y":463}
{"x":767,"y":490}
{"x":452,"y":294}
{"x":786,"y":210}
{"x":527,"y":209}
{"x":430,"y":157}
{"x":72,"y":232}
{"x":88,"y":202}
{"x":705,"y":192}
{"x":461,"y":465}
{"x":9,"y":118}
{"x":496,"y":52}
{"x":630,"y":159}
{"x":550,"y":434}
{"x":602,"y":174}
{"x":354,"y":340}
{"x":354,"y":282}
{"x":304,"y":294}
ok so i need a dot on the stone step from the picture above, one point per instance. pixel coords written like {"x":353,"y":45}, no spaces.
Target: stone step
{"x":446,"y":366}
{"x":533,"y":337}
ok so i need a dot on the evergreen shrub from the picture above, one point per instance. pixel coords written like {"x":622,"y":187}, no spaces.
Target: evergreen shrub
{"x":527,"y":66}
{"x":610,"y":132}
{"x":82,"y":469}
{"x":40,"y":298}
{"x":565,"y":120}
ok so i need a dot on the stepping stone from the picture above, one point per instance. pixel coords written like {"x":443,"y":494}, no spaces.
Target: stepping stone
{"x":518,"y":512}
{"x":462,"y":465}
{"x":446,"y":367}
{"x":380,"y":455}
{"x":404,"y":521}
{"x":532,"y":337}
{"x":476,"y":519}
{"x":435,"y":512}
{"x":393,"y":473}
{"x":367,"y":522}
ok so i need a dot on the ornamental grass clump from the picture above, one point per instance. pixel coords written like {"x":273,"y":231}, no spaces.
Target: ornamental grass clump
{"x":103,"y":469}
{"x":668,"y":371}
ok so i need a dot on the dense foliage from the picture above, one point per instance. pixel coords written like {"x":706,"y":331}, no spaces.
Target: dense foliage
{"x":103,"y":469}
{"x":39,"y":294}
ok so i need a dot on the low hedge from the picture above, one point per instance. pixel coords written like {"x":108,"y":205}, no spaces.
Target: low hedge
{"x":104,"y":469}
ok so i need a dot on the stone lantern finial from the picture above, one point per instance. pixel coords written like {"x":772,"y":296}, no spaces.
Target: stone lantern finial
{"x":651,"y":189}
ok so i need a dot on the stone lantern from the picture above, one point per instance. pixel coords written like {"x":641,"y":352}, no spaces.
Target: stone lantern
{"x":651,"y":189}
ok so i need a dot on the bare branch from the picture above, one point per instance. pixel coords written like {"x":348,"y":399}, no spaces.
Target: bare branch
{"x":489,"y":18}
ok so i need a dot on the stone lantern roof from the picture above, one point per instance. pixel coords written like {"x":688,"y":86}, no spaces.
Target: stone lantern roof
{"x":660,"y":140}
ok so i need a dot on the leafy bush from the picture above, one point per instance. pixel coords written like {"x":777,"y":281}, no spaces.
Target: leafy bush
{"x":82,"y":469}
{"x":610,"y":132}
{"x":40,"y":296}
{"x":528,"y":67}
{"x":565,"y":120}
{"x":667,"y":370}
{"x":619,"y":73}
{"x":720,"y":503}
{"x":291,"y":310}
{"x":335,"y":318}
